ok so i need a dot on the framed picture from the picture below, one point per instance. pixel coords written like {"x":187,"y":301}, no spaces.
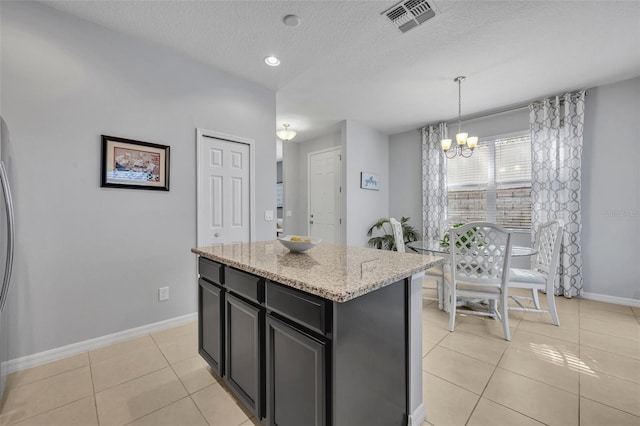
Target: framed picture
{"x":134,"y":164}
{"x":369,"y":181}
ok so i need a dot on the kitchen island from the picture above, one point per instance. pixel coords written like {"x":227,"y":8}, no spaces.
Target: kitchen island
{"x":328,"y":337}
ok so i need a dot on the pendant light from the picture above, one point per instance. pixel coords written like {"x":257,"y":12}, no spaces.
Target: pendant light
{"x":465,"y":143}
{"x":286,"y":134}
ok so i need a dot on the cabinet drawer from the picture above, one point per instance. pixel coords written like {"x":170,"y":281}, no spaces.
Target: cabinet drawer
{"x":244,"y":284}
{"x":304,"y":308}
{"x":211,"y":271}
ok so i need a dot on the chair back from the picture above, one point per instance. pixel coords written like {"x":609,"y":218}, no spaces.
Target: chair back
{"x":398,"y":236}
{"x":547,"y":248}
{"x":480,"y":253}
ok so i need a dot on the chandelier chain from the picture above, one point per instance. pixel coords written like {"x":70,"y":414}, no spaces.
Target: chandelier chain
{"x":459,"y":104}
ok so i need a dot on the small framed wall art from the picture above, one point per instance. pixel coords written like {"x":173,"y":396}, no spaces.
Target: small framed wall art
{"x":369,"y":181}
{"x":134,"y":164}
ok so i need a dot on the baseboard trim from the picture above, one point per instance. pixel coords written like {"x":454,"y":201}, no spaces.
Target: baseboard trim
{"x":418,"y":417}
{"x":40,"y":358}
{"x":611,"y":299}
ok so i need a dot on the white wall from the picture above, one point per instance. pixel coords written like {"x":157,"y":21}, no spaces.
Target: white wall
{"x":611,"y":190}
{"x":366,"y":150}
{"x":610,"y":184}
{"x":90,"y":260}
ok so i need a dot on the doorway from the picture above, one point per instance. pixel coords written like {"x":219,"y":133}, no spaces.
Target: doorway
{"x":325,"y":194}
{"x":224,"y":200}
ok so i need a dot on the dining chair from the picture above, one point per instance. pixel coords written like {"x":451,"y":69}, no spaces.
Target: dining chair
{"x":398,"y":235}
{"x":480,"y":255}
{"x":541,"y":276}
{"x":437,"y":273}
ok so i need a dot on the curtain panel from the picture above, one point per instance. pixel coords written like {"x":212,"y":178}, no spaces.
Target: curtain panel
{"x":556,"y":153}
{"x":434,"y":181}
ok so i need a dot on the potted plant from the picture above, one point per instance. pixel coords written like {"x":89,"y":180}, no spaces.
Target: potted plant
{"x":386,"y":240}
{"x":444,"y":242}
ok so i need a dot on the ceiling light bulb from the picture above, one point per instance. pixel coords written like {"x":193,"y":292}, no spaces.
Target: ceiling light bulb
{"x":461,"y":138}
{"x":272,"y":61}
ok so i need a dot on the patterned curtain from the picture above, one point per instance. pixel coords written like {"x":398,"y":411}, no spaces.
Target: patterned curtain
{"x":556,"y":151}
{"x":434,"y":181}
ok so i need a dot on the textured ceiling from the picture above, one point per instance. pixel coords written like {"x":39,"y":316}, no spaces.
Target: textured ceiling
{"x":345,"y":61}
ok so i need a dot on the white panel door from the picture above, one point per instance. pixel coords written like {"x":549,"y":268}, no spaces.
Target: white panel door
{"x":223,"y":192}
{"x":325,"y":180}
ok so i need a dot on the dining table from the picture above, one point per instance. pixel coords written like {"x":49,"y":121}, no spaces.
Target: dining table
{"x":434,"y":247}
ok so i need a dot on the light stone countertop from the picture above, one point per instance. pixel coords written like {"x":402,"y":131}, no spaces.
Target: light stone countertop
{"x":333,"y":271}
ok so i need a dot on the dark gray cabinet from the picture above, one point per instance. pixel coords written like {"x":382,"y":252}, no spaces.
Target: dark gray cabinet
{"x":244,"y":337}
{"x":295,"y":358}
{"x":296,"y":376}
{"x":211,"y":324}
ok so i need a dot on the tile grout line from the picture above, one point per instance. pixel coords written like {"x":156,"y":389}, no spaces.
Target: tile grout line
{"x":7,"y":391}
{"x":613,"y":408}
{"x":147,"y":374}
{"x":158,"y":409}
{"x":579,"y":373}
{"x":48,"y":377}
{"x":493,"y":373}
{"x":93,"y":387}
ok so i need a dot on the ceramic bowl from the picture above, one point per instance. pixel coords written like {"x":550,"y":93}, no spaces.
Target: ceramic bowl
{"x":305,"y":244}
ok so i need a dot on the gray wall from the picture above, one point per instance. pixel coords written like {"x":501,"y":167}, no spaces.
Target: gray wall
{"x":366,"y":150}
{"x":611,"y":190}
{"x":405,"y":177}
{"x":90,"y":260}
{"x":610,"y":183}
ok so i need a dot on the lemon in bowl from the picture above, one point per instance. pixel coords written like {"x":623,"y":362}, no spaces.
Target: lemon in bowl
{"x":297,"y":243}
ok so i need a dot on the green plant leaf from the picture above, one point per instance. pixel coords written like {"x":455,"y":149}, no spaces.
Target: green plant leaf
{"x":386,"y":241}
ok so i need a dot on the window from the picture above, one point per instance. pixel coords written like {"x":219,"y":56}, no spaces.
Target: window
{"x":494,"y":184}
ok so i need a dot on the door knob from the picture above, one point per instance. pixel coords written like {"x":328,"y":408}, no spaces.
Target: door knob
{"x":217,"y":234}
{"x":311,"y":222}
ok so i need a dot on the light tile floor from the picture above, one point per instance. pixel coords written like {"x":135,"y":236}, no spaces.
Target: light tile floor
{"x":585,"y":372}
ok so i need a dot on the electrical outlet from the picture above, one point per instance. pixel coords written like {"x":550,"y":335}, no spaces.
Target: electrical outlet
{"x":163,"y":293}
{"x":268,"y":215}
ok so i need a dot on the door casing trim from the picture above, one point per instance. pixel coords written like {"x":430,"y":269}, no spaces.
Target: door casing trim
{"x":201,"y":134}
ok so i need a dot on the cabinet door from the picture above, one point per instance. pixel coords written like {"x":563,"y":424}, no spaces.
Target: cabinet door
{"x":211,"y":325}
{"x":243,"y":343}
{"x":296,"y":376}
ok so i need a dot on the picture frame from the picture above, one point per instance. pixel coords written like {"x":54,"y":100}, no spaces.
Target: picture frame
{"x":127,"y":163}
{"x":369,"y":181}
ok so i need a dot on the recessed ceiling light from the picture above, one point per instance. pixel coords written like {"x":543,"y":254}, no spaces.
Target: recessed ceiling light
{"x":272,"y":61}
{"x":291,"y":20}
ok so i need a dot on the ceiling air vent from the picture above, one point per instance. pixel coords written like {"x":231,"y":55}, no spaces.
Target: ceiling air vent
{"x":409,"y":14}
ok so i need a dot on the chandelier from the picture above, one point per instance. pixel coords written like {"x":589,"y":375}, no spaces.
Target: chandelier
{"x":286,"y":134}
{"x":465,"y":143}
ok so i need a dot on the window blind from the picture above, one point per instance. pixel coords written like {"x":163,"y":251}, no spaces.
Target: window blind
{"x":494,"y":184}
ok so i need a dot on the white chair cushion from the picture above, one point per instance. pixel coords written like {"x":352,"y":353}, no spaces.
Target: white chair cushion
{"x":478,"y":288}
{"x":474,"y":287}
{"x":436,"y":270}
{"x":526,"y":276}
